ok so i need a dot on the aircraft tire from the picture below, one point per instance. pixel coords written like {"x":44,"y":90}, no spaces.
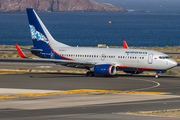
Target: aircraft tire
{"x":156,"y":76}
{"x":90,"y":74}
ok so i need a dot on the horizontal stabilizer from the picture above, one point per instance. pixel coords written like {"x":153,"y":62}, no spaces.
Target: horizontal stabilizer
{"x":35,"y":50}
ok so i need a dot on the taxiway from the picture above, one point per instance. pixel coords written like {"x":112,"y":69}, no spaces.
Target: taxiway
{"x":69,"y":96}
{"x":74,"y":97}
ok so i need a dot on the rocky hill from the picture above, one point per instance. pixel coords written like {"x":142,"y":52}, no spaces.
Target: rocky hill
{"x":57,"y":5}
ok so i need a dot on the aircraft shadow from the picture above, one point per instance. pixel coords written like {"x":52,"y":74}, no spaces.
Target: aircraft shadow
{"x":69,"y":75}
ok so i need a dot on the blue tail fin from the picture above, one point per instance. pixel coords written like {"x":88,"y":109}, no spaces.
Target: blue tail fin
{"x":39,"y":33}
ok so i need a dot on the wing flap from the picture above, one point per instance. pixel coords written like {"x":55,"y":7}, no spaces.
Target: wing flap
{"x":67,"y":62}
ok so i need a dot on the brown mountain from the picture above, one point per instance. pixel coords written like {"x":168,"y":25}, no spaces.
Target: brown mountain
{"x":57,"y":5}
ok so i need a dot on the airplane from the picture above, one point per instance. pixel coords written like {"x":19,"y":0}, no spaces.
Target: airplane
{"x":105,"y":61}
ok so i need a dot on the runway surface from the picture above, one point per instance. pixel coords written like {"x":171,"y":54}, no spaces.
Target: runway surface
{"x":68,"y":96}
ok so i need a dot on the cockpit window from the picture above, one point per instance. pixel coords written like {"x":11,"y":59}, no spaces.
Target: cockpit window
{"x":163,"y":57}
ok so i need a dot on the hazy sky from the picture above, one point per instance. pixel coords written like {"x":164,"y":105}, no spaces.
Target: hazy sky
{"x":149,"y":5}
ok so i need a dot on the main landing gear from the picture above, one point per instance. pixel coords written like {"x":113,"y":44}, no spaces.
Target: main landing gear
{"x":90,"y":74}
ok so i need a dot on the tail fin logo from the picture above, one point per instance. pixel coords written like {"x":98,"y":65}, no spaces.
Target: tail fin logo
{"x":37,"y":35}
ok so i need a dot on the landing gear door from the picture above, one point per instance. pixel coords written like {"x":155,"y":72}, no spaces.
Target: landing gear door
{"x":150,"y":58}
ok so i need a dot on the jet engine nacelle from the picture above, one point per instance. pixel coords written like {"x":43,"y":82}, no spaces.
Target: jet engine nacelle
{"x":134,"y":72}
{"x":106,"y":69}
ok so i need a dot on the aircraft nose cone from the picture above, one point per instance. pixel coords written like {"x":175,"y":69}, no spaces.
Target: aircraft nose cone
{"x":173,"y":63}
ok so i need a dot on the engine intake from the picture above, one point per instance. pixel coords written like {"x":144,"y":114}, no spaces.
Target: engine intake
{"x":106,"y":69}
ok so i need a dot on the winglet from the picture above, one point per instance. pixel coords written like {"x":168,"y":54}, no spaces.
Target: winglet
{"x":20,"y":51}
{"x":125,"y":45}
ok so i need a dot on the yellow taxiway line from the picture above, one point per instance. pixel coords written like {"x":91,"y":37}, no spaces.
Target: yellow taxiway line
{"x":8,"y":73}
{"x":82,"y":91}
{"x":119,"y":91}
{"x":38,"y":95}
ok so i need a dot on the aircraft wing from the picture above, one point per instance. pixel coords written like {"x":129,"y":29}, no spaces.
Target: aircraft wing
{"x":20,"y":52}
{"x":58,"y":61}
{"x":125,"y":45}
{"x":68,"y":62}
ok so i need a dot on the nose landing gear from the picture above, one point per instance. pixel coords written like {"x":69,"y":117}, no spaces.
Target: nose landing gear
{"x":157,"y":76}
{"x":157,"y":73}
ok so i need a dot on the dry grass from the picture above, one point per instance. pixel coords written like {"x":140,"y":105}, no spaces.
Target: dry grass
{"x":15,"y":55}
{"x":156,"y":48}
{"x":170,"y":113}
{"x":13,"y":47}
{"x":166,"y":48}
{"x":42,"y":71}
{"x":168,"y":73}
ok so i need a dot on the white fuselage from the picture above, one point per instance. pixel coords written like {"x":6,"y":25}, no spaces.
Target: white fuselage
{"x":126,"y":58}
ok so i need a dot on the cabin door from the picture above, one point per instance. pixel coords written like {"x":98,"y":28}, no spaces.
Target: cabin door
{"x":150,"y":58}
